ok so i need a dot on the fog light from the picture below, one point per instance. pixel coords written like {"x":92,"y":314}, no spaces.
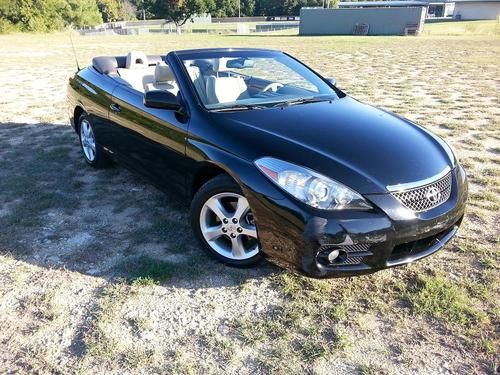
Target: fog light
{"x":333,"y":255}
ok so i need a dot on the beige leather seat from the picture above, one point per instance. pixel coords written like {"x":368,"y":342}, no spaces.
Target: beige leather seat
{"x":136,"y":60}
{"x":164,"y":79}
{"x":223,"y":89}
{"x":198,"y":81}
{"x":136,"y":70}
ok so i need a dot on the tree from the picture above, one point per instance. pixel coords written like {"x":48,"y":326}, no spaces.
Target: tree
{"x":225,"y":8}
{"x":247,"y":7}
{"x":285,"y":7}
{"x":36,"y":15}
{"x":116,"y":10}
{"x":47,"y":15}
{"x":110,"y":10}
{"x":82,"y":13}
{"x":128,"y":10}
{"x":180,"y":11}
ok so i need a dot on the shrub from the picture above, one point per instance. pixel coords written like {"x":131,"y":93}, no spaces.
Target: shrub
{"x":6,"y":26}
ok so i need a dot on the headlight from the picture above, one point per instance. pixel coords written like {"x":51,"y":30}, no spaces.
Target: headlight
{"x":310,"y":187}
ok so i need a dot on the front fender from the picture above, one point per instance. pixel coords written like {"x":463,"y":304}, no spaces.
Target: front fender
{"x":262,"y":196}
{"x":245,"y":173}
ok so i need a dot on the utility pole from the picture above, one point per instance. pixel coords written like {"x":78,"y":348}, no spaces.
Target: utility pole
{"x":239,"y":8}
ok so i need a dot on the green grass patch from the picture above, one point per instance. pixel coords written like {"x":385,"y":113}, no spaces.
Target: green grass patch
{"x":440,"y":298}
{"x":146,"y":271}
{"x":371,"y":369}
{"x":101,"y":343}
{"x":463,"y":28}
{"x":303,"y":328}
{"x":98,"y":343}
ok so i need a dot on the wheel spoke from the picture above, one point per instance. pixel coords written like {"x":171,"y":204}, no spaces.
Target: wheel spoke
{"x":241,"y":208}
{"x":212,"y":233}
{"x":249,"y":231}
{"x":86,"y":129}
{"x":216,"y":206}
{"x":237,"y":248}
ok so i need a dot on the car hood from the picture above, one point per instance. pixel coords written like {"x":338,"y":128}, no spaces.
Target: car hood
{"x":361,"y":146}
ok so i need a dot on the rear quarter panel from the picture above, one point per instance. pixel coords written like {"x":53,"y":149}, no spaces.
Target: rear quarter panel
{"x":91,"y":91}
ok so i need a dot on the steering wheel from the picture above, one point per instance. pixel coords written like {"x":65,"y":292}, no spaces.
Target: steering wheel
{"x":273,"y":86}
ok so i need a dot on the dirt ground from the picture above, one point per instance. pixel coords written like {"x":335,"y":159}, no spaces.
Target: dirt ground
{"x":100,"y":273}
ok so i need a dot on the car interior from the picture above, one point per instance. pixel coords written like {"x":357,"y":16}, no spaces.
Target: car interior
{"x":141,"y":72}
{"x":217,"y":81}
{"x":145,"y":73}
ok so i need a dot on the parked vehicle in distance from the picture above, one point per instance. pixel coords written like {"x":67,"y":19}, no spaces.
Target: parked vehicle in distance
{"x":275,"y":159}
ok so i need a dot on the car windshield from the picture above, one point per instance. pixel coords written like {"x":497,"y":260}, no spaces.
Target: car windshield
{"x":240,"y":80}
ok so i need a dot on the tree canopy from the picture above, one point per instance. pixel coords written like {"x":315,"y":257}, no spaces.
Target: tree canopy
{"x":114,"y":10}
{"x":179,"y":11}
{"x":48,"y":15}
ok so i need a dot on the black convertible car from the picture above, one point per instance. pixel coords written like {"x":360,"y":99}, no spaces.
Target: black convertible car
{"x":274,"y":158}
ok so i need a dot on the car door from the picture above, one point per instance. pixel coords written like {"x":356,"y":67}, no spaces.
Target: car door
{"x":150,"y":140}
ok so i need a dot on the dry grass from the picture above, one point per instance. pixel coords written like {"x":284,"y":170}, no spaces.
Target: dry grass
{"x":99,"y":271}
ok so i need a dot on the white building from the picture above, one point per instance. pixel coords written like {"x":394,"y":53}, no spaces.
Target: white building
{"x":477,"y":9}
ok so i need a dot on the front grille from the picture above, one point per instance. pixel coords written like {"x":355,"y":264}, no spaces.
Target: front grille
{"x":353,"y":260}
{"x":356,"y":248}
{"x":425,"y":197}
{"x":408,"y":249}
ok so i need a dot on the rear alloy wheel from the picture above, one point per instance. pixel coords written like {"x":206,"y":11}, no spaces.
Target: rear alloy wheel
{"x":92,"y":153}
{"x":224,"y":222}
{"x":88,"y":140}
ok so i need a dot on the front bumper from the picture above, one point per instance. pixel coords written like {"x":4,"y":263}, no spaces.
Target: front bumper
{"x":300,"y":237}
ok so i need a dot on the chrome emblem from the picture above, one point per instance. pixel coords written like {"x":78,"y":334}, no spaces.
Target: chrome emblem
{"x":433,"y":195}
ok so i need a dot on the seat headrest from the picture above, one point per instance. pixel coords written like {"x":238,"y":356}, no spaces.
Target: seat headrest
{"x":220,"y":65}
{"x":163,"y":73}
{"x":136,"y":60}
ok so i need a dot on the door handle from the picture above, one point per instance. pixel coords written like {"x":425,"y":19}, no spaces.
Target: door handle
{"x":115,"y":108}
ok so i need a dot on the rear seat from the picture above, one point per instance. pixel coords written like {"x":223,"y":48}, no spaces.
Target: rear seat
{"x":163,"y":79}
{"x":137,"y":71}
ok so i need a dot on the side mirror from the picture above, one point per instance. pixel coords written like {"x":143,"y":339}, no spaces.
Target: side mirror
{"x":161,"y":99}
{"x":332,"y":80}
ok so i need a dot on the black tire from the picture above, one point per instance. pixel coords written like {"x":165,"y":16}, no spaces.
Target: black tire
{"x":219,"y":184}
{"x":101,"y":158}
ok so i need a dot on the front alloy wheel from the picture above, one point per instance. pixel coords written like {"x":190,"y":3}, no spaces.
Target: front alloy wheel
{"x":223,"y":220}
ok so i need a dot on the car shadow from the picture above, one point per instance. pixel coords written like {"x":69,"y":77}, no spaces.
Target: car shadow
{"x":57,"y":212}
